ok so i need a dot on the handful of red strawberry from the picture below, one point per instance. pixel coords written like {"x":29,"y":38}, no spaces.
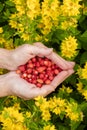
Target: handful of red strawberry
{"x":39,"y":71}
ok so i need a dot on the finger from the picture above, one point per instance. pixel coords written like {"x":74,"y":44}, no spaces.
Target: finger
{"x":25,"y":90}
{"x":43,"y":91}
{"x":63,"y":64}
{"x":61,"y":77}
{"x":47,"y":89}
{"x":22,"y":89}
{"x":35,"y":50}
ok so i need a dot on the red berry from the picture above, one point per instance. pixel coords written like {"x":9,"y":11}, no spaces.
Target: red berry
{"x":24,"y":75}
{"x":49,"y":63}
{"x":34,"y":59}
{"x":21,"y":68}
{"x":37,"y":64}
{"x":30,"y":65}
{"x":29,"y":75}
{"x":35,"y":72}
{"x":46,"y":63}
{"x":49,"y":68}
{"x":56,"y":71}
{"x":30,"y":80}
{"x":51,"y":78}
{"x":33,"y":77}
{"x":18,"y":71}
{"x":29,"y":70}
{"x":40,"y":81}
{"x":41,"y":75}
{"x":39,"y":85}
{"x":30,"y":61}
{"x":47,"y":81}
{"x":34,"y":81}
{"x":41,"y":69}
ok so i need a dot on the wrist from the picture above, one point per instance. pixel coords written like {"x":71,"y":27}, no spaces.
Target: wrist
{"x":4,"y":87}
{"x":5,"y":59}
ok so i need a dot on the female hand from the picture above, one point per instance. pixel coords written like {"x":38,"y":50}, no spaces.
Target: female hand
{"x":14,"y":85}
{"x":11,"y":59}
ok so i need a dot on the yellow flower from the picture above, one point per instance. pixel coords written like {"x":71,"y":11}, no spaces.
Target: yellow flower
{"x":50,"y":12}
{"x":46,"y":115}
{"x":66,"y":89}
{"x":28,"y":114}
{"x":13,"y":16}
{"x":17,"y":2}
{"x":20,"y":9}
{"x":1,"y":30}
{"x":20,"y":28}
{"x":13,"y":114}
{"x":72,"y":22}
{"x":80,"y":87}
{"x":25,"y":36}
{"x":57,"y":105}
{"x":2,"y":40}
{"x":13,"y":24}
{"x":39,"y":100}
{"x":8,"y":44}
{"x":72,"y":112}
{"x":57,"y":110}
{"x":33,"y":8}
{"x":49,"y":127}
{"x":17,"y":106}
{"x":84,"y":72}
{"x":70,"y":7}
{"x":69,"y":90}
{"x":68,"y":47}
{"x":74,"y":116}
{"x":84,"y":93}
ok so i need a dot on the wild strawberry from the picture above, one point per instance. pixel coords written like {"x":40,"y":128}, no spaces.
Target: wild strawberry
{"x":47,"y":81}
{"x":34,"y":59}
{"x":29,"y":70}
{"x":21,"y":68}
{"x":18,"y":71}
{"x":41,"y":69}
{"x":30,"y":65}
{"x":39,"y":85}
{"x":40,"y":81}
{"x":56,"y":71}
{"x":46,"y":62}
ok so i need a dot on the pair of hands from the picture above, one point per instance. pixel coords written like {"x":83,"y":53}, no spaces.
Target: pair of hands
{"x":12,"y":84}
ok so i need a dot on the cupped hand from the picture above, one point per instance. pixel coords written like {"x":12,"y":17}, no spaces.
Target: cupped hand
{"x":17,"y":86}
{"x":23,"y":53}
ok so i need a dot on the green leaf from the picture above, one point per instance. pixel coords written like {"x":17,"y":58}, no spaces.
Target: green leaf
{"x":84,"y":34}
{"x":81,"y":127}
{"x":1,"y":7}
{"x":60,"y":34}
{"x":74,"y":125}
{"x":83,"y":106}
{"x":61,"y":127}
{"x":83,"y":58}
{"x":9,"y":3}
{"x":73,"y":31}
{"x":83,"y":40}
{"x":84,"y":45}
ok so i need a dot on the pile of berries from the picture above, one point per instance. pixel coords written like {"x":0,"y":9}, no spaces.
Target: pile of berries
{"x":39,"y":71}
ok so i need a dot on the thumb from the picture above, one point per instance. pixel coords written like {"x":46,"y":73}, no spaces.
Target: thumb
{"x":39,"y":51}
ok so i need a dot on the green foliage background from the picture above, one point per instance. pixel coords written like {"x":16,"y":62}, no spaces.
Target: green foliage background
{"x":80,"y":33}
